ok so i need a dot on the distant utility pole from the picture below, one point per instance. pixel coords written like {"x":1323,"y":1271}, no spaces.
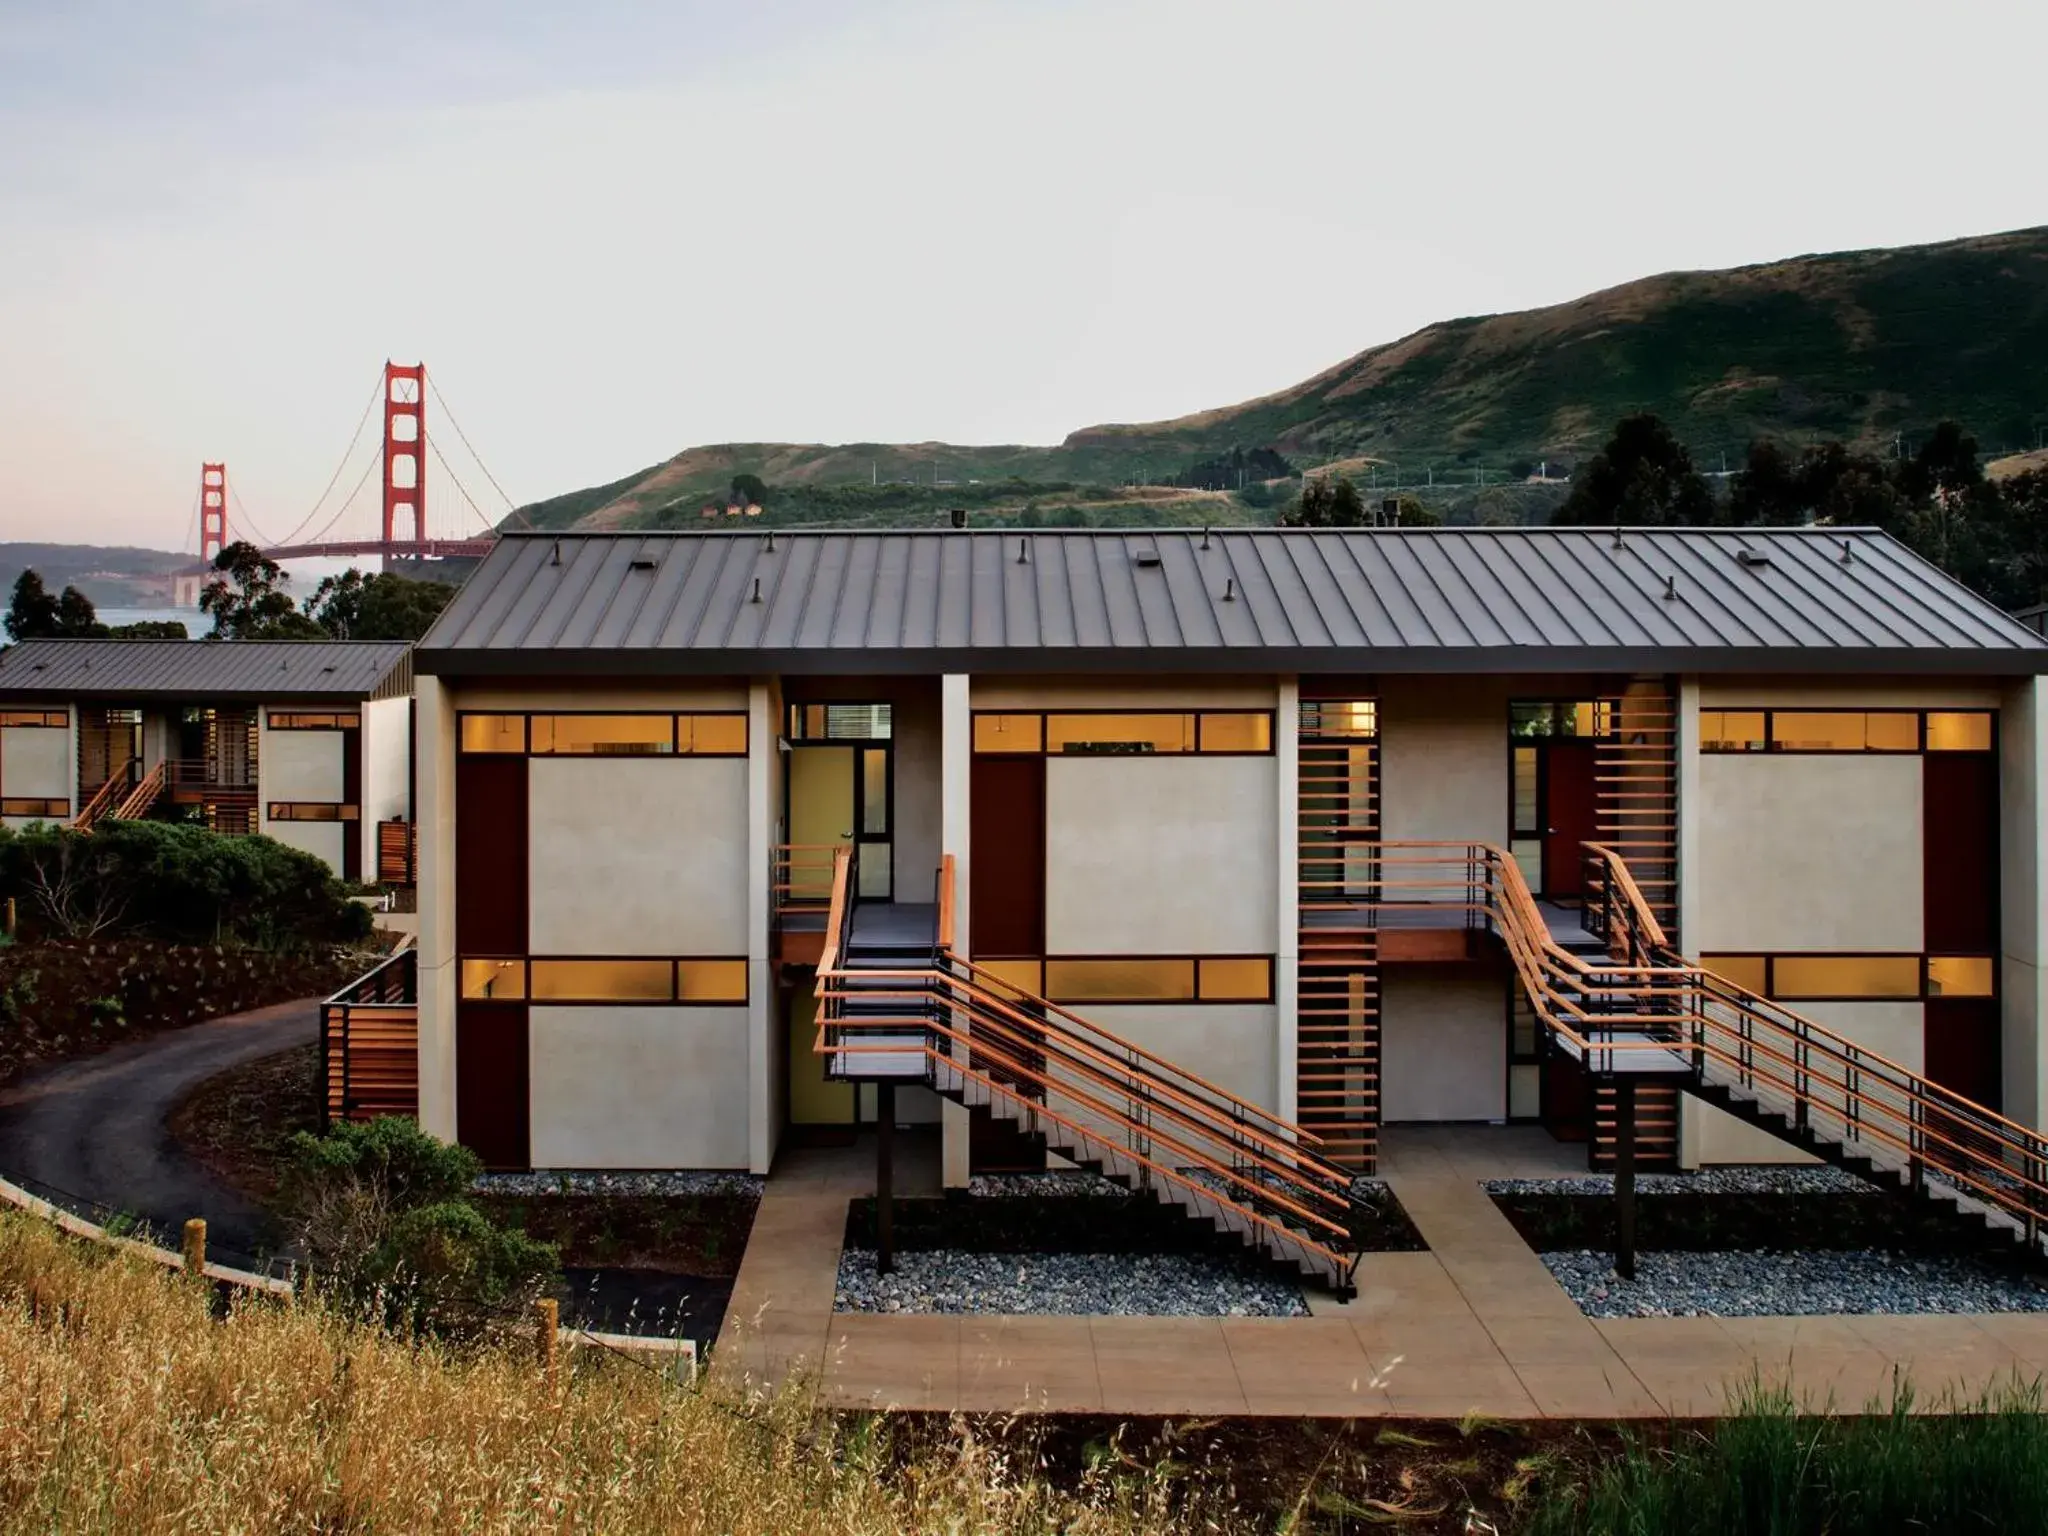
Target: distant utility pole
{"x":874,"y":472}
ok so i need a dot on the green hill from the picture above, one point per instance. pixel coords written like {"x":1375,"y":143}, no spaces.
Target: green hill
{"x":1857,"y":345}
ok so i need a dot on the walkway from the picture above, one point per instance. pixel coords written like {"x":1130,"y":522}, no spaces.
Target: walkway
{"x":97,"y":1128}
{"x":1475,"y":1325}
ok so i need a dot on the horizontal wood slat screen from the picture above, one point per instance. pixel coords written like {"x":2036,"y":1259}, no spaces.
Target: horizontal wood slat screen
{"x":369,"y":1044}
{"x":397,"y":852}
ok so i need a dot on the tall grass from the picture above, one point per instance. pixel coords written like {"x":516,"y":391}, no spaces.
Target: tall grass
{"x":1769,"y":1470}
{"x":125,"y":1406}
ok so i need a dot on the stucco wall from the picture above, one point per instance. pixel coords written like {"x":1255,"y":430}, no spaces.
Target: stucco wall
{"x":1230,"y":1044}
{"x":621,"y":1087}
{"x":1443,"y":1043}
{"x":35,"y":761}
{"x":1160,"y":855}
{"x":1444,"y":758}
{"x":387,"y":760}
{"x":915,"y":722}
{"x":638,"y":856}
{"x":300,"y":765}
{"x":2023,"y":983}
{"x":1807,"y":852}
{"x":322,"y":839}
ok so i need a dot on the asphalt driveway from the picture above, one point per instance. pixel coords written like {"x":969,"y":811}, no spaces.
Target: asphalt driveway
{"x":98,"y":1129}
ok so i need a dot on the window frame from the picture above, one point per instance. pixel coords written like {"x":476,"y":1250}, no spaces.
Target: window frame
{"x":53,"y":808}
{"x":682,"y":744}
{"x":45,"y":719}
{"x":346,"y":811}
{"x":675,"y":998}
{"x":1920,"y":714}
{"x":312,"y":720}
{"x":1715,"y":963}
{"x":1004,"y":969}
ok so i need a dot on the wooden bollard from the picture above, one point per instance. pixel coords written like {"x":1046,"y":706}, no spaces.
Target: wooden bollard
{"x":195,"y":1247}
{"x":546,"y":1327}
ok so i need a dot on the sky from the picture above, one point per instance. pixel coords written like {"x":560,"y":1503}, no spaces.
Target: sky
{"x":614,"y":230}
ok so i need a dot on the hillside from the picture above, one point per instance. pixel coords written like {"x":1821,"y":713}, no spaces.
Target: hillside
{"x":111,"y":575}
{"x":1857,"y":345}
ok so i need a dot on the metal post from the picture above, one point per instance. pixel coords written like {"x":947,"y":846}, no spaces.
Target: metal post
{"x":1625,"y":1177}
{"x":885,"y":1158}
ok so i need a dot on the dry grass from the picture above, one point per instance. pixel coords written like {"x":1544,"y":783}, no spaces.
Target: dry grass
{"x":129,"y":1408}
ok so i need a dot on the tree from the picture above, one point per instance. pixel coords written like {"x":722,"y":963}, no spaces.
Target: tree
{"x":151,"y":629}
{"x":1945,"y":466}
{"x":2024,"y":508}
{"x":1766,"y":491}
{"x":35,"y":615}
{"x":247,"y":598}
{"x":385,"y":606}
{"x":1644,"y":476}
{"x":1326,"y":503}
{"x":749,"y":490}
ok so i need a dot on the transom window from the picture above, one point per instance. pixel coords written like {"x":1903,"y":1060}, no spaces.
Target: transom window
{"x":312,"y":810}
{"x":18,"y":718}
{"x":1873,"y":977}
{"x":49,"y":810}
{"x":1141,"y":978}
{"x":313,"y":720}
{"x":610,"y":979}
{"x":1125,"y":733}
{"x":1845,"y":730}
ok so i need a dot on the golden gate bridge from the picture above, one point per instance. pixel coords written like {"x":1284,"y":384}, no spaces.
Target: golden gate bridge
{"x":404,"y":533}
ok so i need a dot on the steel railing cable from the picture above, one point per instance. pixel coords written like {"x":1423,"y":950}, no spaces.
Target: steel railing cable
{"x":442,"y":400}
{"x":347,"y":454}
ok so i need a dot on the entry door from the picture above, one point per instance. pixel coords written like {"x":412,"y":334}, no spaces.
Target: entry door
{"x":1570,"y":815}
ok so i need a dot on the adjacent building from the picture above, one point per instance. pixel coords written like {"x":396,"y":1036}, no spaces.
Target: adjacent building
{"x":1184,"y":779}
{"x":309,"y":742}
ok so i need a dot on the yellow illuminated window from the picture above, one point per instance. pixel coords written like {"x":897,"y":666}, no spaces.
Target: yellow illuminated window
{"x":1237,"y":732}
{"x":1014,"y":978}
{"x":302,"y":720}
{"x":713,"y":735}
{"x":1118,"y":734}
{"x":1120,"y":981}
{"x":34,"y":717}
{"x":1009,"y":733}
{"x":603,"y":981}
{"x":1746,"y":971}
{"x":1358,"y":718}
{"x":1845,"y":730}
{"x":1950,"y":731}
{"x":711,"y":981}
{"x":494,"y":733}
{"x":603,"y":735}
{"x":1245,"y":980}
{"x":32,"y":807}
{"x":312,"y":810}
{"x":1795,"y":976}
{"x":1959,"y":976}
{"x":1891,"y":731}
{"x":1731,"y":730}
{"x":494,"y":979}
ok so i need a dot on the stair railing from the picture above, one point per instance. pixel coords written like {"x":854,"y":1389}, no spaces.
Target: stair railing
{"x":116,"y":787}
{"x":142,"y":796}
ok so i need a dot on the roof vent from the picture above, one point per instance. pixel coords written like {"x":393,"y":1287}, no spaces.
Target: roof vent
{"x":1754,"y":559}
{"x":1147,"y":557}
{"x":643,"y":563}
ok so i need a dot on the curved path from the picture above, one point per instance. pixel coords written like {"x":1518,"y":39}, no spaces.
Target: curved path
{"x":99,"y":1128}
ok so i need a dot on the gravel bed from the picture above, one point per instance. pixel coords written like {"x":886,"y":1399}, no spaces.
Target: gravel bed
{"x":1707,"y":1181}
{"x":1054,"y":1182}
{"x":668,"y":1183}
{"x":1090,"y":1284}
{"x":1790,"y":1285}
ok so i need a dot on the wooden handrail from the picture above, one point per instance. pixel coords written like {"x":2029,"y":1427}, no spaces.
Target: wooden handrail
{"x":835,"y":913}
{"x":96,"y":807}
{"x":946,"y":897}
{"x":142,"y":796}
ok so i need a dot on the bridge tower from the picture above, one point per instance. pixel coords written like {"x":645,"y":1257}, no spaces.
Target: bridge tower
{"x":213,"y":511}
{"x":405,"y":444}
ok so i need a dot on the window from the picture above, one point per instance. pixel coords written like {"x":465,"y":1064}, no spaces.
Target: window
{"x":1134,"y":733}
{"x":1120,"y":734}
{"x":493,"y":980}
{"x":1245,"y":979}
{"x":1960,"y":976}
{"x":841,"y":722}
{"x":34,"y":717}
{"x":1862,"y":976}
{"x":311,"y":810}
{"x":1752,"y":973}
{"x":48,"y":810}
{"x":603,"y":981}
{"x":493,"y":733}
{"x":313,"y":720}
{"x":1351,"y":719}
{"x":602,"y":735}
{"x":711,"y":981}
{"x":1009,"y":733}
{"x":1954,"y":731}
{"x":1732,"y":730}
{"x":1583,"y":717}
{"x":1120,"y":981}
{"x":713,"y":735}
{"x":1845,"y":730}
{"x":1015,"y":978}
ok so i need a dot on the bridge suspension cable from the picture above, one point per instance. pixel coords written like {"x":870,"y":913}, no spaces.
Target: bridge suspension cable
{"x":341,"y":511}
{"x":482,"y":516}
{"x":262,"y":539}
{"x":510,"y":505}
{"x":354,"y":439}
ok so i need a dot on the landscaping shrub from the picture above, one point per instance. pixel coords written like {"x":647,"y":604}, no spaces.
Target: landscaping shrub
{"x":179,"y":883}
{"x":60,"y":1000}
{"x":1769,"y":1470}
{"x":381,"y":1211}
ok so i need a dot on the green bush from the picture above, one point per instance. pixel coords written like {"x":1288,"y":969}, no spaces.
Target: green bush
{"x":1770,"y":1470}
{"x":180,"y":883}
{"x":381,"y":1213}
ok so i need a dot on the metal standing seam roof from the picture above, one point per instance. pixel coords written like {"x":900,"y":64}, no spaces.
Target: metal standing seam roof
{"x":1244,"y":600}
{"x":195,"y":671}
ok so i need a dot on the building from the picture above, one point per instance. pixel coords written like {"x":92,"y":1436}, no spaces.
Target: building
{"x":309,"y":742}
{"x":1207,"y":830}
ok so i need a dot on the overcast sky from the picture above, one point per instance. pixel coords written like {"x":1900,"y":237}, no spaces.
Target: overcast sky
{"x":616,"y":229}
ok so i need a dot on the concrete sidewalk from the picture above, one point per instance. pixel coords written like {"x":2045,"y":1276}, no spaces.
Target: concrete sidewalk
{"x":1474,"y":1326}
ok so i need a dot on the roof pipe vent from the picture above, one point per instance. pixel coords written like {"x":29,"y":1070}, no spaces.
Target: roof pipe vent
{"x":757,"y":591}
{"x":1230,"y":589}
{"x":1205,"y":538}
{"x":769,"y":547}
{"x":1848,"y":553}
{"x":1670,"y":587}
{"x":556,"y":557}
{"x":1023,"y":552}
